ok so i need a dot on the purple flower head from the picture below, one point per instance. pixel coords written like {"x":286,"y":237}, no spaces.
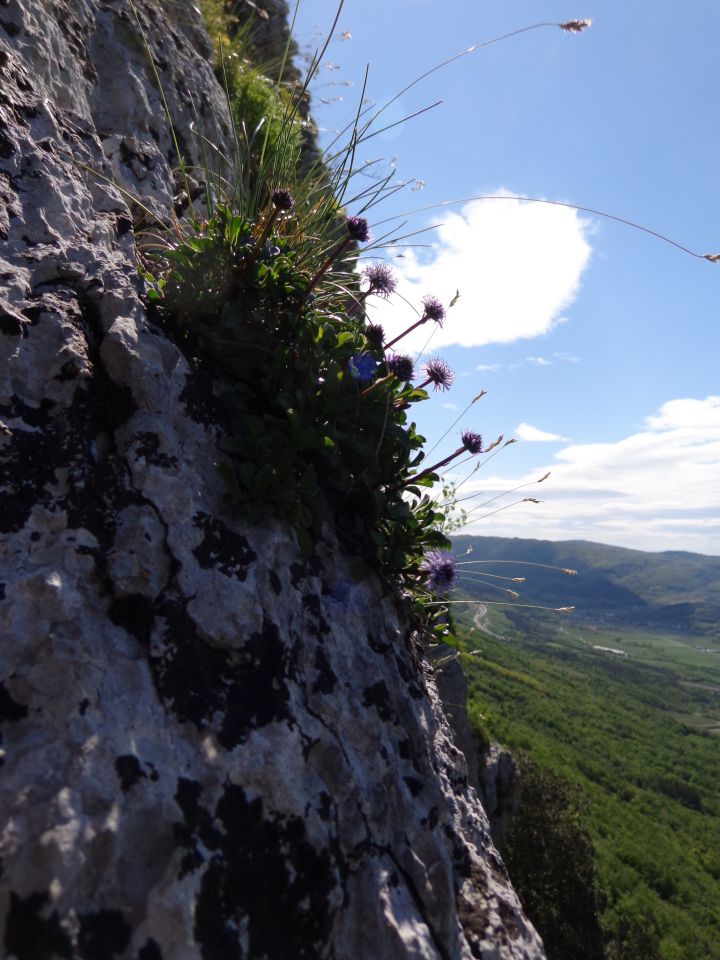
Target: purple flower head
{"x":375,"y":335}
{"x":358,"y":229}
{"x":362,"y":367}
{"x":439,"y":373}
{"x":381,"y":279}
{"x":401,"y":366}
{"x":440,"y":571}
{"x":282,"y":199}
{"x":434,"y":310}
{"x":472,"y":441}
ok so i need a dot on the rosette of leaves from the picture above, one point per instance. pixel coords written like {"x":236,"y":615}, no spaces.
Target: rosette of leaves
{"x":226,"y":296}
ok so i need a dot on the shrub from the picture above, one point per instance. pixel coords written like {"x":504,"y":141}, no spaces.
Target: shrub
{"x":551,"y":862}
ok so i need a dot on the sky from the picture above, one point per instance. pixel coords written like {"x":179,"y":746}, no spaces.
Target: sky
{"x":597,"y":343}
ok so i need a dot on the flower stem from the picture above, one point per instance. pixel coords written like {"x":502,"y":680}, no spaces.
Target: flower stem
{"x":386,"y":379}
{"x":422,"y":319}
{"x":427,"y":470}
{"x":342,"y":246}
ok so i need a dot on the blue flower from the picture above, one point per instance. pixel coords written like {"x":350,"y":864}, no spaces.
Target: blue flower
{"x":362,"y":367}
{"x":440,"y":571}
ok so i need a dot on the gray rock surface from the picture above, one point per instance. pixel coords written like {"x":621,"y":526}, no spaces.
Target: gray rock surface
{"x":212,"y":748}
{"x":500,"y":786}
{"x":452,"y":688}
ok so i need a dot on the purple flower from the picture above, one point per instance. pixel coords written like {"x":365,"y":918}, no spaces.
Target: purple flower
{"x":438,"y":373}
{"x":357,"y":228}
{"x":434,"y":310}
{"x":440,"y":572}
{"x":472,"y":441}
{"x":282,"y":199}
{"x":381,"y":279}
{"x":400,"y":365}
{"x":362,"y":367}
{"x":375,"y":335}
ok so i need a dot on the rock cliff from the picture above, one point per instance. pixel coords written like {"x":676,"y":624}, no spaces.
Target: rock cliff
{"x":212,"y":747}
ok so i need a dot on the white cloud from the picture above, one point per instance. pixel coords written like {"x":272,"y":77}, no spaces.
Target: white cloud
{"x":517,"y":265}
{"x":531,"y":361}
{"x":656,"y":489}
{"x":525,"y":431}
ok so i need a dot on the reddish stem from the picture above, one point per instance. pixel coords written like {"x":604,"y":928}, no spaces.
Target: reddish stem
{"x":405,"y":332}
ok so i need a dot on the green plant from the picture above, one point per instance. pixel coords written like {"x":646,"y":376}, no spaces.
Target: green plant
{"x":319,"y":429}
{"x":551,"y":861}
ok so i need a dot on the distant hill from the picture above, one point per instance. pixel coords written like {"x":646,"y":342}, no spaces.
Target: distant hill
{"x":674,"y":590}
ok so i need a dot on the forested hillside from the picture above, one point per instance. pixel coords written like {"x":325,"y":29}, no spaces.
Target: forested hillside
{"x":672,"y":590}
{"x":615,"y":728}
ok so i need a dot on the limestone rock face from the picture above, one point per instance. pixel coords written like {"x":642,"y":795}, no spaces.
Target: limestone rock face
{"x":499,"y":786}
{"x":212,"y":748}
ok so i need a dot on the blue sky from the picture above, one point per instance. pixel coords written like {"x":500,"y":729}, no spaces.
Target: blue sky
{"x":580,"y":329}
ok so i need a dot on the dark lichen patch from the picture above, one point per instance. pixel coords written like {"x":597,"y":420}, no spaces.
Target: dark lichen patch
{"x":134,"y":613}
{"x":37,"y":417}
{"x":413,"y":785}
{"x":305,"y":570}
{"x":114,"y":404}
{"x":129,"y":771}
{"x":325,"y":807}
{"x":103,"y":934}
{"x":196,"y":825}
{"x":147,"y":447}
{"x":378,"y":696}
{"x":265,"y":869}
{"x":258,"y":694}
{"x":64,"y":440}
{"x":29,"y":935}
{"x":204,"y":684}
{"x":405,"y":749}
{"x":150,"y":951}
{"x":221,"y":548}
{"x":190,"y":674}
{"x":320,"y":627}
{"x":377,"y":645}
{"x":10,"y":709}
{"x":326,"y":679}
{"x":199,"y":400}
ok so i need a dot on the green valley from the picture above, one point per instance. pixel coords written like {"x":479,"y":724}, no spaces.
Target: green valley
{"x":628,"y":716}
